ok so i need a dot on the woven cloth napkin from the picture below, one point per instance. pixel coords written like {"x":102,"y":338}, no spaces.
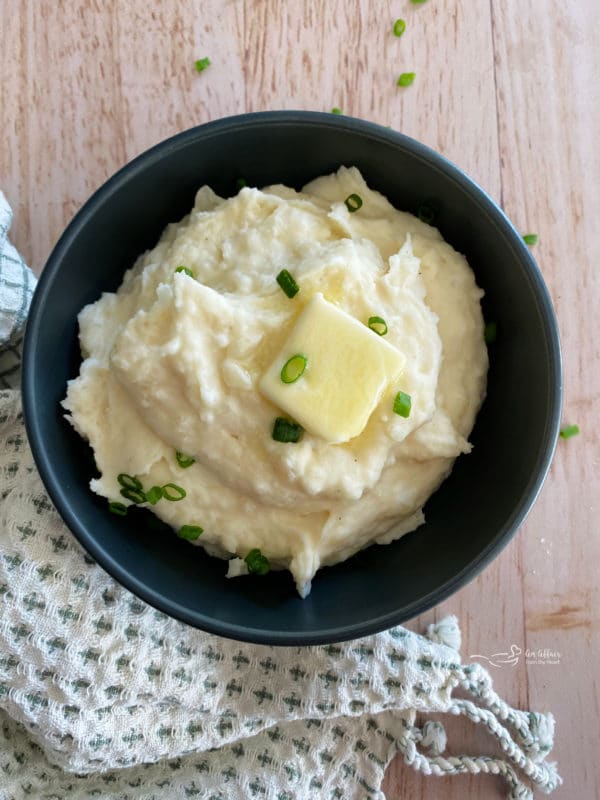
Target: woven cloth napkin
{"x":103,"y":696}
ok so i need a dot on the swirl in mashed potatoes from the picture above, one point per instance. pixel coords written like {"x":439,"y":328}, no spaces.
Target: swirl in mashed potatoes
{"x":178,"y":363}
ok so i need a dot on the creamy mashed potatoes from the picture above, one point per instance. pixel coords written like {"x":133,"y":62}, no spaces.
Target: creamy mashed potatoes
{"x":175,"y":363}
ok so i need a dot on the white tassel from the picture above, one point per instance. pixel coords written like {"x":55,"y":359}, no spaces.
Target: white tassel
{"x":446,"y":631}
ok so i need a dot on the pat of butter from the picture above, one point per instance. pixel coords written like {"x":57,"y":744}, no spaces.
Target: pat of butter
{"x":348,"y":369}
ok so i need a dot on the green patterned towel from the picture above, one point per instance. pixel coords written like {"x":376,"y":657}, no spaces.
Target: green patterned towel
{"x":103,"y":696}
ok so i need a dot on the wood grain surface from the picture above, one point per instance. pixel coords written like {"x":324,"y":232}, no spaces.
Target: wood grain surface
{"x":510,"y":91}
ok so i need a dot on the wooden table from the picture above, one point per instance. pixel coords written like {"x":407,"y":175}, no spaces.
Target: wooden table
{"x":507,"y":90}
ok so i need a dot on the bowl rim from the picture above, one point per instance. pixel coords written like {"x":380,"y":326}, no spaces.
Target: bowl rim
{"x":416,"y":149}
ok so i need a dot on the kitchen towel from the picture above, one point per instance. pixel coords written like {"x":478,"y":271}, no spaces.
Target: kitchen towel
{"x":103,"y":696}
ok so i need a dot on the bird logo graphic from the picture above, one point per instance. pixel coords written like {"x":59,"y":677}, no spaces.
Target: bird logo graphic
{"x":510,"y":659}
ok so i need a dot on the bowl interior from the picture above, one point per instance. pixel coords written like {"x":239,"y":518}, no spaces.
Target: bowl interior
{"x":474,"y":512}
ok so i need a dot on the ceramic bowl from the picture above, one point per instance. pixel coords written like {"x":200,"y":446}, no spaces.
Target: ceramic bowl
{"x":469,"y":519}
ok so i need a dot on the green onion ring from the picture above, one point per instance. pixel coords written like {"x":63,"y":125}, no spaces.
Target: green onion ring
{"x":378,"y":325}
{"x":294,"y":368}
{"x":136,"y":496}
{"x":353,"y":202}
{"x":173,"y":492}
{"x":183,"y":460}
{"x":129,"y":481}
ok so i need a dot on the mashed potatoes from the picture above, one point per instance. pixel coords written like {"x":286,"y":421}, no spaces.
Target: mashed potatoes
{"x":177,"y":363}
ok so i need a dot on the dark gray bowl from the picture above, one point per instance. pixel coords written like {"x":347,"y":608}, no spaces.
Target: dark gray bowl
{"x":476,"y":511}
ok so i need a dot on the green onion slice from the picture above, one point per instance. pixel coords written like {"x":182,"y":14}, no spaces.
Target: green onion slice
{"x":241,"y":183}
{"x":530,"y":239}
{"x":336,"y":110}
{"x":183,"y":460}
{"x":489,"y":333}
{"x":418,"y":2}
{"x":406,"y":78}
{"x":568,"y":431}
{"x":293,"y":368}
{"x":154,"y":494}
{"x":402,"y":404}
{"x":173,"y":492}
{"x":257,"y":563}
{"x":399,"y":27}
{"x":117,"y":508}
{"x":135,"y":495}
{"x":187,"y":271}
{"x":286,"y":280}
{"x":286,"y":431}
{"x":428,"y":211}
{"x":129,"y":481}
{"x":353,"y":202}
{"x":378,"y":325}
{"x":202,"y":64}
{"x":190,"y":532}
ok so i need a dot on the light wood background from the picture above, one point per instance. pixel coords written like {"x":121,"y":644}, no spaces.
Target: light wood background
{"x":507,"y":90}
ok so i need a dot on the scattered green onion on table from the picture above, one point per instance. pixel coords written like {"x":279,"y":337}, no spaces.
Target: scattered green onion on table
{"x":406,"y":79}
{"x":568,"y":431}
{"x":202,"y":63}
{"x":399,"y":27}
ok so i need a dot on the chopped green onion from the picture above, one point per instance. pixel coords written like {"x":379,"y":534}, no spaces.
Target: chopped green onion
{"x":240,"y":183}
{"x":204,"y":63}
{"x":286,"y":431}
{"x":293,"y":368}
{"x":117,"y":508}
{"x":154,"y":494}
{"x":406,"y":78}
{"x":568,"y":431}
{"x":186,"y":270}
{"x":353,"y":202}
{"x":402,"y":404}
{"x":489,"y":333}
{"x":183,"y":460}
{"x":257,"y":563}
{"x":286,"y":280}
{"x":336,"y":110}
{"x":173,"y":492}
{"x":428,"y":211}
{"x":378,"y":325}
{"x":135,"y":495}
{"x":530,"y":239}
{"x":399,"y":27}
{"x":129,"y":481}
{"x":190,"y":532}
{"x":418,"y":2}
